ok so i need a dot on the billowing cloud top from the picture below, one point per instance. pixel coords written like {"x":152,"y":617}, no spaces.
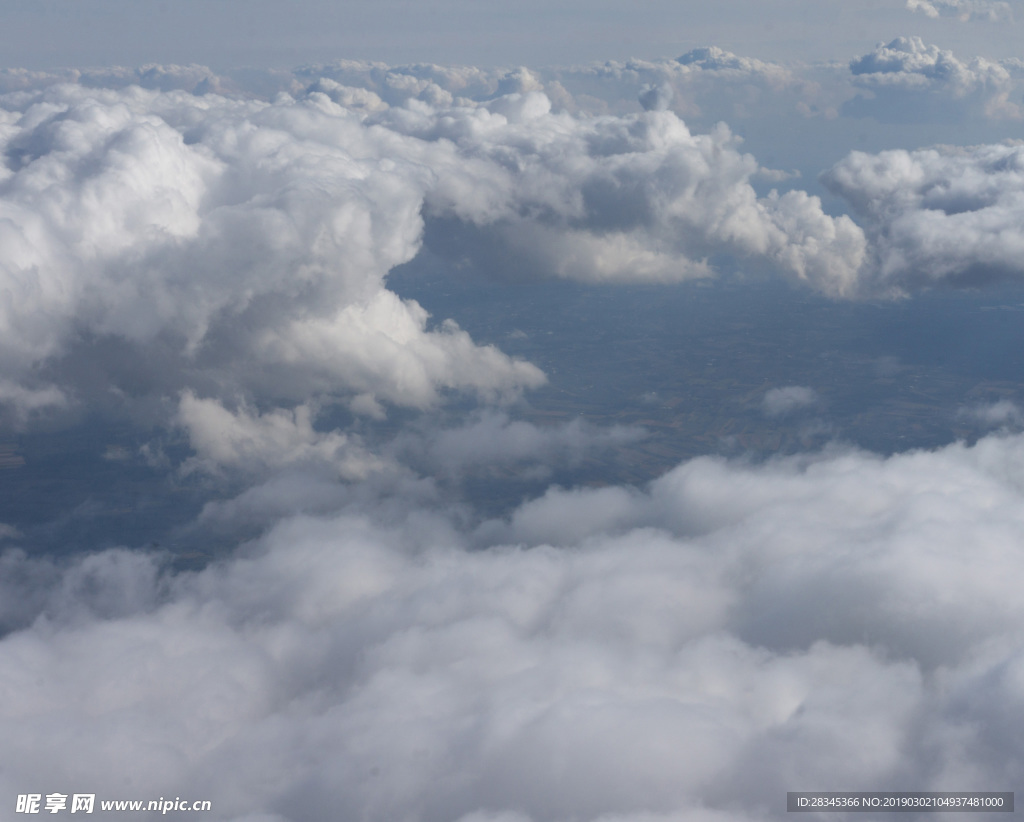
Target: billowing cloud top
{"x":627,"y":198}
{"x":909,"y":61}
{"x":912,"y":81}
{"x":939,"y":215}
{"x":247,"y":243}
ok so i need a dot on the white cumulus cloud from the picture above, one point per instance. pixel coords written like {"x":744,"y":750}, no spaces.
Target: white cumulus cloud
{"x":631,"y":198}
{"x":244,"y":440}
{"x":690,"y":648}
{"x":245,"y":242}
{"x":1002,"y":413}
{"x":910,"y":81}
{"x":245,"y":245}
{"x":938,"y":215}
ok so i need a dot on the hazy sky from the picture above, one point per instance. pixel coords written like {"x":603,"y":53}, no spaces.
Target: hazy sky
{"x":230,"y":33}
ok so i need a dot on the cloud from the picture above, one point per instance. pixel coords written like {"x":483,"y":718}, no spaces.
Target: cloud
{"x":631,"y":198}
{"x":245,"y":245}
{"x":690,"y":82}
{"x":909,"y":81}
{"x":281,"y":438}
{"x":788,"y":620}
{"x":161,"y":77}
{"x":430,"y":83}
{"x":1002,"y":413}
{"x":704,"y":85}
{"x":656,"y":98}
{"x":964,"y":10}
{"x":368,"y":650}
{"x":691,"y":648}
{"x":494,"y":442}
{"x":23,"y":403}
{"x":779,"y":402}
{"x":938,"y":216}
{"x":237,"y":242}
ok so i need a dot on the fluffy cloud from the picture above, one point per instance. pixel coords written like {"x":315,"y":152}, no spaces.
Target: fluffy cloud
{"x":912,"y":82}
{"x":692,"y":648}
{"x":249,"y":441}
{"x":630,"y":198}
{"x":242,"y":243}
{"x":245,"y":245}
{"x":706,"y":84}
{"x":940,"y":215}
{"x":688,"y":650}
{"x":23,"y":403}
{"x":193,"y":78}
{"x":427,"y":82}
{"x":964,"y":10}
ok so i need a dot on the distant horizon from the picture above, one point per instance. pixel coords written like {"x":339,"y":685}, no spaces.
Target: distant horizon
{"x":231,"y":34}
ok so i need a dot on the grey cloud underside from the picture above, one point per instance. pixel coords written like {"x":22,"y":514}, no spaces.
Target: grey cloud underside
{"x":696,"y":647}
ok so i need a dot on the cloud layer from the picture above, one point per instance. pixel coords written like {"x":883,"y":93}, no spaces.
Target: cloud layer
{"x":245,"y":245}
{"x":691,"y":649}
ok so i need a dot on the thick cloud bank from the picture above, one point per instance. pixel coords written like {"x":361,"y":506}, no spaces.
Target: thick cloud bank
{"x":630,"y":199}
{"x":217,"y":268}
{"x":245,"y":245}
{"x":942,"y":215}
{"x":690,"y":650}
